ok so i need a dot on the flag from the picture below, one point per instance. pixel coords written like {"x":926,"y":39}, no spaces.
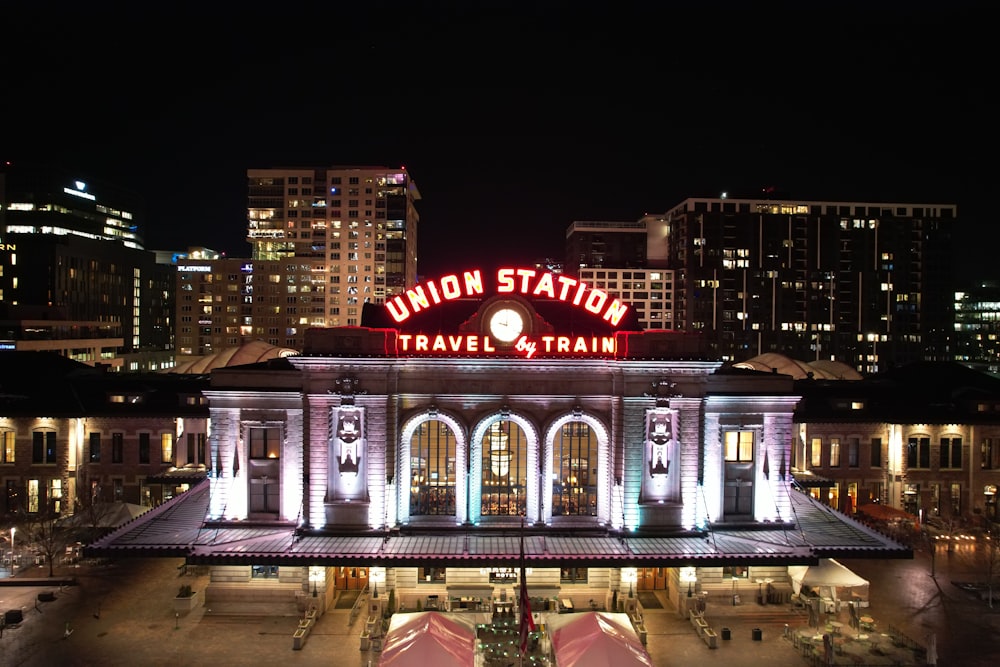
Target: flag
{"x":527,"y":621}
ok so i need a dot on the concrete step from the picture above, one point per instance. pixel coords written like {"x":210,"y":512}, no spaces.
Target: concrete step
{"x":219,"y":608}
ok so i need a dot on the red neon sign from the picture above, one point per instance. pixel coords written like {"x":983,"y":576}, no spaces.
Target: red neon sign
{"x":547,"y":344}
{"x":524,"y":281}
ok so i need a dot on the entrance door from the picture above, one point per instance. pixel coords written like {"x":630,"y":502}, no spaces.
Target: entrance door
{"x":738,"y":496}
{"x":652,"y":579}
{"x":350,"y":578}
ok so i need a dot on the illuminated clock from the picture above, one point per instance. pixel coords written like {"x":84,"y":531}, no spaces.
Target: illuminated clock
{"x":506,"y":325}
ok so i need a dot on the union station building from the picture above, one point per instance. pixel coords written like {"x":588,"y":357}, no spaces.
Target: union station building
{"x":481,"y":411}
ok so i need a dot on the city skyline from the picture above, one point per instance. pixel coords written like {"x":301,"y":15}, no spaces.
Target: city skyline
{"x":508,"y":120}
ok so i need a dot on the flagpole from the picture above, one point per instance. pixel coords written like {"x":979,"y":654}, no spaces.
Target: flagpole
{"x":527,"y":622}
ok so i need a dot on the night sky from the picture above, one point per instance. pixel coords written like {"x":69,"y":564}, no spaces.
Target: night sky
{"x":514,"y":119}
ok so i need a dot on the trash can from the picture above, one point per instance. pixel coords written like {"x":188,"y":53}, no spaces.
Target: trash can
{"x":726,"y":634}
{"x":757,"y":635}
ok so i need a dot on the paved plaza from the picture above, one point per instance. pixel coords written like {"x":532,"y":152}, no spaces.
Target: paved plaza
{"x":122,"y":614}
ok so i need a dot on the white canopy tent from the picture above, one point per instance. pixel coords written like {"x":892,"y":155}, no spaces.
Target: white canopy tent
{"x":429,"y":638}
{"x":596,"y":639}
{"x":829,"y":579}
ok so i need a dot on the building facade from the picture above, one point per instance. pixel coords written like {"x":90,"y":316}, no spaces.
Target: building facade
{"x":72,"y":435}
{"x":866,"y":283}
{"x":496,"y":408}
{"x":977,"y":327}
{"x":923,"y":438}
{"x":356,"y":227}
{"x":620,"y":257}
{"x":324,"y":243}
{"x":74,"y":248}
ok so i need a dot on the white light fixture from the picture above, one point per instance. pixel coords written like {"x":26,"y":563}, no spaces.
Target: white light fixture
{"x":500,"y":454}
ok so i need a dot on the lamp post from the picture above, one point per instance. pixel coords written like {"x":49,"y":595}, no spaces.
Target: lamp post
{"x":12,"y":529}
{"x":689,"y":575}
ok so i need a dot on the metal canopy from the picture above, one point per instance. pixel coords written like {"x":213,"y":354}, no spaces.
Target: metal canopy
{"x":179,"y":528}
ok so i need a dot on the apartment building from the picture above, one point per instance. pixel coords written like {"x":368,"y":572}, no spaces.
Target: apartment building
{"x":620,"y":257}
{"x":352,"y":229}
{"x":977,"y":326}
{"x":869,"y":284}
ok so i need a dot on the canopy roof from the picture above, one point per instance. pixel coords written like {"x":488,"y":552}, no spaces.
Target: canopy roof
{"x":827,"y":573}
{"x":250,"y":352}
{"x":429,"y":638}
{"x":821,"y":369}
{"x":596,"y":639}
{"x":179,"y":527}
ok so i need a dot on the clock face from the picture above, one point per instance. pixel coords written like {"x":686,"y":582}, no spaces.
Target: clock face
{"x":506,"y":325}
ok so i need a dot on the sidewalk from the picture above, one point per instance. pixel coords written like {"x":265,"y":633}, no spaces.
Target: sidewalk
{"x":122,"y":615}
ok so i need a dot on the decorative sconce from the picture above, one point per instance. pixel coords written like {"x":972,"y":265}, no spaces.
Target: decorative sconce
{"x":689,"y":575}
{"x":630,"y":575}
{"x":376,"y":575}
{"x":317,"y":574}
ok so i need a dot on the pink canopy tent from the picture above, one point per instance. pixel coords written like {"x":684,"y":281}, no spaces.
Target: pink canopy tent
{"x":428,"y":638}
{"x":596,"y":639}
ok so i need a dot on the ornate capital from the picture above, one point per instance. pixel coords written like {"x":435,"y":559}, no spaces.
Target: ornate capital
{"x":663,"y":390}
{"x":347,"y":388}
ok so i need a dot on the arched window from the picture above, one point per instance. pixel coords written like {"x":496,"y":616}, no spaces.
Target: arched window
{"x":505,"y":470}
{"x":574,"y":468}
{"x":432,"y":469}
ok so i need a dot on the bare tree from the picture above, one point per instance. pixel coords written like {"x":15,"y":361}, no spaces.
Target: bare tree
{"x":45,"y":535}
{"x":992,"y":540}
{"x":93,"y":516}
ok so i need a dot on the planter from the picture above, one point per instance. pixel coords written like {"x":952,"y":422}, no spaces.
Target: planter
{"x":186,"y":603}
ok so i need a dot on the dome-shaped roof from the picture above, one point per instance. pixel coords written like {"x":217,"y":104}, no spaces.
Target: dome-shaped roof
{"x":835,"y":370}
{"x":821,"y":369}
{"x":249,"y":353}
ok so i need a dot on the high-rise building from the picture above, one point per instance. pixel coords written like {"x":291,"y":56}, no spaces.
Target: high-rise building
{"x":600,"y":244}
{"x":352,"y":229}
{"x":868,"y":284}
{"x":977,"y":327}
{"x":72,"y":249}
{"x":617,"y":257}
